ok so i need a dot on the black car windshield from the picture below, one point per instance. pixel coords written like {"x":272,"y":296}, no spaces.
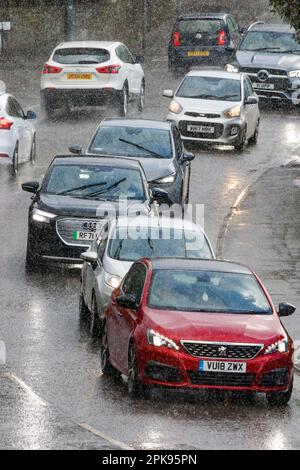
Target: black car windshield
{"x":270,"y":42}
{"x":130,"y":244}
{"x":207,"y":291}
{"x":99,"y":182}
{"x":210,"y":88}
{"x":81,"y":55}
{"x":132,"y":142}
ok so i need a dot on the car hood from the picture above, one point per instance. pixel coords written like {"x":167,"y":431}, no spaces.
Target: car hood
{"x":70,"y":206}
{"x":156,"y":168}
{"x":262,"y":329}
{"x":267,"y":60}
{"x":205,"y":106}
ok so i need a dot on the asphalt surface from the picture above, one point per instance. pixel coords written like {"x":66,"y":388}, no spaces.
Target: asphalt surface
{"x":53,"y":355}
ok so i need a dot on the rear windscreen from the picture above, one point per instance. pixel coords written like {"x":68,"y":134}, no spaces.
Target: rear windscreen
{"x":200,"y":25}
{"x":81,"y":55}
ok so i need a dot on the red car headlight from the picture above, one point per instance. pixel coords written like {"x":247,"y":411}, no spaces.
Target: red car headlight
{"x":158,"y":340}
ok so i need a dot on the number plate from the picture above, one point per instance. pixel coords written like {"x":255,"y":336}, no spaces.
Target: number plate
{"x":86,"y":236}
{"x":263,"y":86}
{"x":223,"y":366}
{"x":198,"y":53}
{"x":203,"y":129}
{"x":79,"y":76}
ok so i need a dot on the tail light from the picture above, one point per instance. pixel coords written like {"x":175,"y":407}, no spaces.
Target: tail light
{"x":222,"y":38}
{"x":51,"y":69}
{"x":176,"y":39}
{"x":109,"y":69}
{"x":5,"y":124}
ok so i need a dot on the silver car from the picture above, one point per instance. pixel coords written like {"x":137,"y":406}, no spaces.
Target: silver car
{"x":215,"y":107}
{"x":123,"y":241}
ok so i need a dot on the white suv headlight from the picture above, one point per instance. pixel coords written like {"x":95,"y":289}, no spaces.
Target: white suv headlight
{"x":294,"y":74}
{"x":231,"y":68}
{"x":42,"y":216}
{"x":175,"y":107}
{"x":233,"y":112}
{"x":158,"y":340}
{"x":166,"y":179}
{"x":280,"y":346}
{"x":112,"y":280}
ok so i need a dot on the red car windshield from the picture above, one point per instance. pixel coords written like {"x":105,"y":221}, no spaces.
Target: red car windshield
{"x":204,"y":291}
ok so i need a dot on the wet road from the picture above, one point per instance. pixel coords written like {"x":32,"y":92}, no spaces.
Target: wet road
{"x":52,"y":353}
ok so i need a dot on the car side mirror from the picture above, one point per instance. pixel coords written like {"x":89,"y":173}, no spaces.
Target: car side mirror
{"x":77,"y":149}
{"x":89,"y":257}
{"x":251,"y":100}
{"x":30,"y":115}
{"x":140,"y":59}
{"x":127,"y":301}
{"x":168,"y":93}
{"x":188,"y":157}
{"x":285,"y":309}
{"x":243,"y":30}
{"x":161,"y":196}
{"x":31,"y":187}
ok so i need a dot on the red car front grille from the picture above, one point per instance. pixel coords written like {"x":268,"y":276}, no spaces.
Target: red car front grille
{"x":222,"y":350}
{"x":221,"y":378}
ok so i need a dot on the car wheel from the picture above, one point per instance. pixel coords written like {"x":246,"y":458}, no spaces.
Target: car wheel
{"x":240,"y":147}
{"x":83,"y":309}
{"x":253,"y":140}
{"x":123,"y":105}
{"x":280,"y":398}
{"x":135,"y":388}
{"x":33,"y":150}
{"x":15,"y":160}
{"x":106,"y":367}
{"x":95,"y":322}
{"x":141,"y":101}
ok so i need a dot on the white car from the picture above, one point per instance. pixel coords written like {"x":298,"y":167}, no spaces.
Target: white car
{"x":125,"y":240}
{"x":17,"y":132}
{"x":92,"y":73}
{"x":215,"y":107}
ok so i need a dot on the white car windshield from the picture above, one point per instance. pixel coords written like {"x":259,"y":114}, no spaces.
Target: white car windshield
{"x":210,"y":88}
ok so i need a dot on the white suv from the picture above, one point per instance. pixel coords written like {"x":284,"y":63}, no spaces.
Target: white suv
{"x":217,"y":107}
{"x":92,"y":73}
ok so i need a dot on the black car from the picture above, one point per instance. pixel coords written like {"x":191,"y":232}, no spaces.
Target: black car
{"x":76,"y":196}
{"x":270,"y":55}
{"x":156,"y":144}
{"x":203,"y":39}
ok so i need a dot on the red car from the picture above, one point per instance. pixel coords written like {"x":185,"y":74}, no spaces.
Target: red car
{"x":197,"y":324}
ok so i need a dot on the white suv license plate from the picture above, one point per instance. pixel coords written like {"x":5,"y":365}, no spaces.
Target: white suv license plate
{"x":223,"y":366}
{"x":263,"y":86}
{"x":203,"y":129}
{"x":86,"y":236}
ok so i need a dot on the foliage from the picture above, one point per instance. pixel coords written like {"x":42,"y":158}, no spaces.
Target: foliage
{"x":289,"y":10}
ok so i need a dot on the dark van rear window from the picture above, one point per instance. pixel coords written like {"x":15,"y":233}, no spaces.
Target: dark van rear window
{"x":81,"y":55}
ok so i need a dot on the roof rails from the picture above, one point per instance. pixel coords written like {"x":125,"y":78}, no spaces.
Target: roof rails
{"x":254,"y":24}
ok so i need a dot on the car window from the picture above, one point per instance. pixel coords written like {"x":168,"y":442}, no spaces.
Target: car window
{"x":270,"y":41}
{"x":134,"y":281}
{"x":230,"y":26}
{"x":207,"y":291}
{"x":249,"y":86}
{"x":200,"y":25}
{"x":81,"y":55}
{"x":246,"y":89}
{"x":123,"y":53}
{"x":210,"y":88}
{"x":14,"y":109}
{"x":177,"y":142}
{"x":131,"y":142}
{"x":233,"y":25}
{"x":102,"y":247}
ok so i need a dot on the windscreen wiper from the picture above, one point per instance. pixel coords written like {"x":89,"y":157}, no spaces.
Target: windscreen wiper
{"x":262,"y":49}
{"x":102,"y":191}
{"x":86,"y":186}
{"x":157,"y":155}
{"x":291,"y":50}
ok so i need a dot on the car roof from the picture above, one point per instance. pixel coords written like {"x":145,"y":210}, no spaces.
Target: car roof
{"x":93,"y":44}
{"x":84,"y":159}
{"x":215,"y":73}
{"x":273,"y":27}
{"x":145,"y":123}
{"x":194,"y":16}
{"x":153,"y":221}
{"x":199,"y":264}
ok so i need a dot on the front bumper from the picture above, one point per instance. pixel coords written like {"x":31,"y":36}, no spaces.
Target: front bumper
{"x":226,"y":131}
{"x":168,"y":368}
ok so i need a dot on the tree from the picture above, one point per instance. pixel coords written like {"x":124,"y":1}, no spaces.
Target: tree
{"x":289,"y":10}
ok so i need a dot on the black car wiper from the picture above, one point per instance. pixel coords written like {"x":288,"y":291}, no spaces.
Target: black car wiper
{"x":79,"y":188}
{"x":225,"y":97}
{"x":262,"y":49}
{"x":102,"y":191}
{"x":157,"y":155}
{"x":200,"y":96}
{"x":291,"y":50}
{"x":87,"y":62}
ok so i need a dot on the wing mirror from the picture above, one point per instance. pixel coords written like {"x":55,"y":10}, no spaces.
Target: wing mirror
{"x":285,"y":309}
{"x":188,"y":157}
{"x":31,"y":187}
{"x":127,"y":301}
{"x":168,"y":93}
{"x":140,"y":59}
{"x":251,"y":100}
{"x":89,"y":257}
{"x":161,"y":196}
{"x":30,"y":115}
{"x":77,"y":149}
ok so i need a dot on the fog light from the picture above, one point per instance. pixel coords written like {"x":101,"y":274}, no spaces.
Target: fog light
{"x":234,"y":130}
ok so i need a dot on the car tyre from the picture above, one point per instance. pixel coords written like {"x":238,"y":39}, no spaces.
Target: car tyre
{"x":280,"y":398}
{"x":240,"y":147}
{"x":83,"y":309}
{"x":33,"y":150}
{"x":123,"y":104}
{"x":95,"y":322}
{"x":15,"y":160}
{"x":253,"y":140}
{"x":135,"y":388}
{"x":47,"y":108}
{"x":141,"y":101}
{"x":106,"y":367}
